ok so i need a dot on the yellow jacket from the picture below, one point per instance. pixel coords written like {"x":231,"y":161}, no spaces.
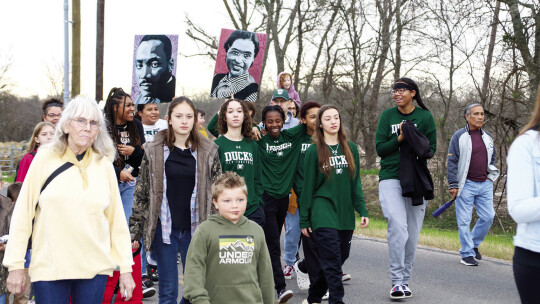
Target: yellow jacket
{"x":79,"y":230}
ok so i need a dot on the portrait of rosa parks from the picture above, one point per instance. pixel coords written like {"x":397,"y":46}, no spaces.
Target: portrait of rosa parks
{"x":154,"y":68}
{"x":238,"y":65}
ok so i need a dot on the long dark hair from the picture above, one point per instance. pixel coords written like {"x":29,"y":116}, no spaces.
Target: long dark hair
{"x":222,"y":118}
{"x":322,"y":148}
{"x":193,"y":138}
{"x":417,"y":96}
{"x":116,"y":97}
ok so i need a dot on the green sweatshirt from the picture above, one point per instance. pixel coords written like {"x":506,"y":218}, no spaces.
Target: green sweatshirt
{"x":386,"y":142}
{"x":212,"y":126}
{"x":228,"y":263}
{"x":330,"y":202}
{"x":243,"y":158}
{"x":279,"y":157}
{"x":305,"y":142}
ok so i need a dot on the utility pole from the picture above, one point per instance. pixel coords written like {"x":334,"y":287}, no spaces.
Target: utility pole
{"x":66,"y":51}
{"x":76,"y":48}
{"x":99,"y":48}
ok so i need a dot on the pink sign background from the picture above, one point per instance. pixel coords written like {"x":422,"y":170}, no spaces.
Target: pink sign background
{"x":254,"y":70}
{"x":174,"y":52}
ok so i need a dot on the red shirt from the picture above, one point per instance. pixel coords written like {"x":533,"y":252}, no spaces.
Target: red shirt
{"x":478,"y":165}
{"x":24,"y":165}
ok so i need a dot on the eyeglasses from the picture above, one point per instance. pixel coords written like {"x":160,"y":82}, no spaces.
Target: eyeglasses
{"x":398,"y":91}
{"x":52,"y":115}
{"x":83,"y":122}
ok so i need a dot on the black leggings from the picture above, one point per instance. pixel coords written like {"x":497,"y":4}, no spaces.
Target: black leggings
{"x":526,"y":275}
{"x":274,"y":211}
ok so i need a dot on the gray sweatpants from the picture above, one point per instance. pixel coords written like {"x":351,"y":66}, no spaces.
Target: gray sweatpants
{"x":404,"y":225}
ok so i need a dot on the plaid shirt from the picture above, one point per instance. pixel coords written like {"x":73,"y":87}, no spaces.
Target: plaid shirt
{"x":165,"y":211}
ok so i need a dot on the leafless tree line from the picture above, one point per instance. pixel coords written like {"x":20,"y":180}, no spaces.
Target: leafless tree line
{"x":348,"y":52}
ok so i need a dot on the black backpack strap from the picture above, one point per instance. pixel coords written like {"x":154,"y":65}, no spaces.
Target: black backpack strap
{"x":56,"y":172}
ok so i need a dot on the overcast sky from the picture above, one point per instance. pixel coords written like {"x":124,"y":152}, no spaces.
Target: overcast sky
{"x":32,"y":33}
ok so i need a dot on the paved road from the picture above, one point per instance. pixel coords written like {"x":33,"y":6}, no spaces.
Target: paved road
{"x":438,"y":277}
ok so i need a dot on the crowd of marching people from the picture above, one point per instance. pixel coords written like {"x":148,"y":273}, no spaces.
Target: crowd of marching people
{"x":107,"y":201}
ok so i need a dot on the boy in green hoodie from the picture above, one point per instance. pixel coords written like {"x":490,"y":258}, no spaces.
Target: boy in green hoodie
{"x":227,"y":260}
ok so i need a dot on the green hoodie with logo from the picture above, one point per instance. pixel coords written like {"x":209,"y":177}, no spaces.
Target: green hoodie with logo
{"x":330,"y":202}
{"x":228,"y":263}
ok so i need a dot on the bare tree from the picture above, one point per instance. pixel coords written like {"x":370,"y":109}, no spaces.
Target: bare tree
{"x":54,"y":75}
{"x":526,"y":36}
{"x":6,"y":61}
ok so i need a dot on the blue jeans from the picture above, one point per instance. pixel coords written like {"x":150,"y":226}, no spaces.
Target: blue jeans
{"x":126,"y":193}
{"x":292,"y":237}
{"x":166,"y":256}
{"x":81,"y":291}
{"x":479,"y":195}
{"x":3,"y":298}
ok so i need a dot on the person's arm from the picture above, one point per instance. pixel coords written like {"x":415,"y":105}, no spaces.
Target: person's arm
{"x":357,"y":192}
{"x":136,"y":157}
{"x":385,"y":143}
{"x":118,"y":229}
{"x":24,"y":165}
{"x":295,"y":133}
{"x":493,"y":172}
{"x":141,"y":202}
{"x":311,"y":166}
{"x":431,"y":134}
{"x":215,"y":170}
{"x":264,"y":272}
{"x":24,"y":212}
{"x":452,"y":162}
{"x":523,"y":202}
{"x":212,"y":126}
{"x":257,"y":172}
{"x":195,"y":275}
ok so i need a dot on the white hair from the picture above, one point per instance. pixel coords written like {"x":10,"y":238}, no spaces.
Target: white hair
{"x":88,"y":108}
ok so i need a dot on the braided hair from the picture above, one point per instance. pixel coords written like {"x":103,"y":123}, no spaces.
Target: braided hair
{"x":117,"y":97}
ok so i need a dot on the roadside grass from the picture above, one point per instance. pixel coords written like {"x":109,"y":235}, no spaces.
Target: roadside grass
{"x":495,"y":246}
{"x":370,"y":172}
{"x":8,"y":178}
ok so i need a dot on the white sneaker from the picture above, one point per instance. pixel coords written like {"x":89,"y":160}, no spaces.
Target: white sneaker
{"x":302,"y":278}
{"x":326,"y":296}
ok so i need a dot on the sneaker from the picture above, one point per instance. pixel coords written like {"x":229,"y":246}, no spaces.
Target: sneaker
{"x":326,"y":296}
{"x":346,"y":277}
{"x":306,"y":302}
{"x":469,"y":261}
{"x":148,"y":292}
{"x":397,"y":292}
{"x":302,"y":278}
{"x":146,"y":282}
{"x":406,"y":290}
{"x":152,"y":272}
{"x":477,"y":255}
{"x":287,"y":272}
{"x":284,"y":295}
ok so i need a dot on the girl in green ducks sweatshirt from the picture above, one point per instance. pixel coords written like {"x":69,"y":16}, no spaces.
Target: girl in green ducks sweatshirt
{"x":332,"y":191}
{"x":404,"y":219}
{"x":238,"y":153}
{"x":279,"y":153}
